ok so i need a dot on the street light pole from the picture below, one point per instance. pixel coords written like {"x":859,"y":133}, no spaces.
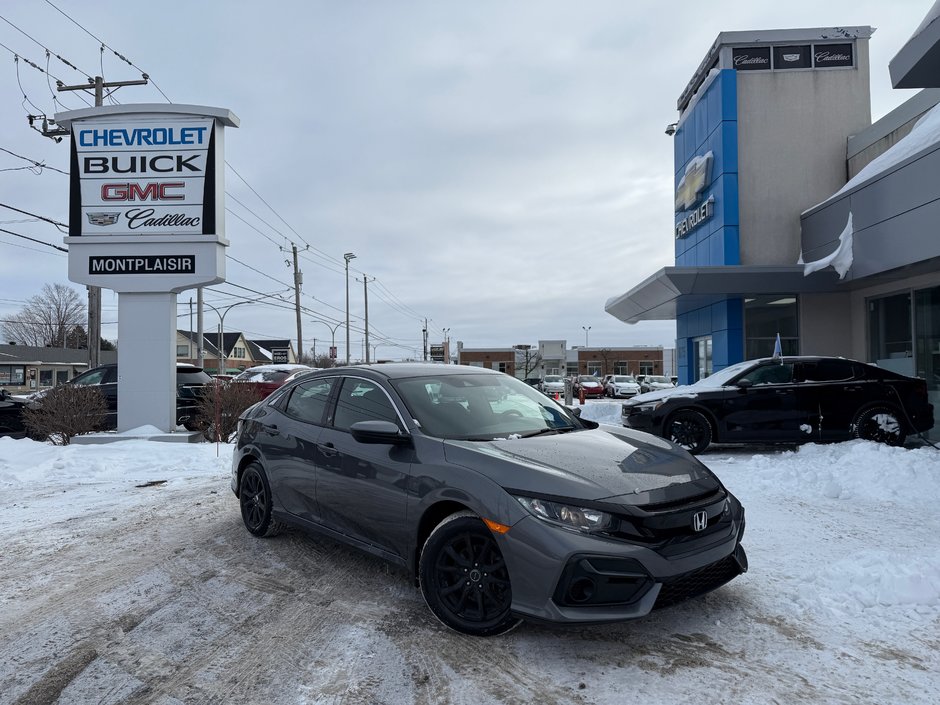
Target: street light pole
{"x":586,"y":329}
{"x":222,"y":329}
{"x":347,"y":256}
{"x":333,"y":330}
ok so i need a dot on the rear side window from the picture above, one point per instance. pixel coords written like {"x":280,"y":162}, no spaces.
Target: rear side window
{"x":307,"y":402}
{"x":362,"y":400}
{"x":774,"y":373}
{"x":193,"y":377}
{"x":827,"y":371}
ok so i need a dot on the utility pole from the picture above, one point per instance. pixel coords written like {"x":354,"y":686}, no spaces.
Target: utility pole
{"x":298,"y":281}
{"x":424,"y":335}
{"x":94,"y":292}
{"x":200,"y":344}
{"x":365,"y":293}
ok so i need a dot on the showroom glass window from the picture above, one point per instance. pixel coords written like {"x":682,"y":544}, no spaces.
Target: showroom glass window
{"x":764,"y":318}
{"x":362,"y":400}
{"x":621,"y":367}
{"x":646,"y":367}
{"x":595,"y":368}
{"x":890,"y":338}
{"x":45,"y":378}
{"x":702,"y":356}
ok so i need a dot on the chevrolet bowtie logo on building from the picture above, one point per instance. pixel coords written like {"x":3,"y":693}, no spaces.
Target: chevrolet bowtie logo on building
{"x":693,"y":182}
{"x":103,"y":218}
{"x":696,"y":178}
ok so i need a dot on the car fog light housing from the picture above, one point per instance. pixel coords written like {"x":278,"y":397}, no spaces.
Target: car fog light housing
{"x":569,"y":516}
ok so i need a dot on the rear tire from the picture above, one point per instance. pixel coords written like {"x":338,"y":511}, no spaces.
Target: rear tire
{"x":689,"y":430}
{"x":880,"y":424}
{"x":254,"y":496}
{"x":464,"y":578}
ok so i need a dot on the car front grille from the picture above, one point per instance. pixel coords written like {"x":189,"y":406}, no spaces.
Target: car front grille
{"x":697,"y":582}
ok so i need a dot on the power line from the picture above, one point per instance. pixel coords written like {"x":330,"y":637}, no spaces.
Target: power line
{"x":38,"y":165}
{"x":32,"y":239}
{"x":104,"y":46}
{"x":33,"y":215}
{"x":43,"y":46}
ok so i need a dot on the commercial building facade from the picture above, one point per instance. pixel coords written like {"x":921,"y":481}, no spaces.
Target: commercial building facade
{"x":795,"y":215}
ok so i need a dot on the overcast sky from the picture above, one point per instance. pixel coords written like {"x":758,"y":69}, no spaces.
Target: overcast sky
{"x":500,"y":168}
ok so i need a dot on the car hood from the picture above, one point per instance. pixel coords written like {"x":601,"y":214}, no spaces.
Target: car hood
{"x":607,"y":463}
{"x":686,"y":391}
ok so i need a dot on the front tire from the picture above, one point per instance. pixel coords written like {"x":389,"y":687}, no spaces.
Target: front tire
{"x":689,"y":430}
{"x":254,"y":495}
{"x":464,"y":578}
{"x":880,"y":424}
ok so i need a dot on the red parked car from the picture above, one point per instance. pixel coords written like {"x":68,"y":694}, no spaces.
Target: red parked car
{"x":590,"y":385}
{"x":267,"y":378}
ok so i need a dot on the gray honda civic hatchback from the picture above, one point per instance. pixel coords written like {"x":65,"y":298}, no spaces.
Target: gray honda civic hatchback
{"x":503,"y":504}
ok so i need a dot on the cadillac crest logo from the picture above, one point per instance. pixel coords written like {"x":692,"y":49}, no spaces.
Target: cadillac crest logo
{"x":103,"y":218}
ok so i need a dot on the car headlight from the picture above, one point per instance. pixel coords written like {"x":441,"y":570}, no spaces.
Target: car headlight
{"x":648,"y":407}
{"x":569,"y":516}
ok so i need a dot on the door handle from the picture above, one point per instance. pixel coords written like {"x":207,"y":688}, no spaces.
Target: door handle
{"x":328,"y":449}
{"x":270,"y":428}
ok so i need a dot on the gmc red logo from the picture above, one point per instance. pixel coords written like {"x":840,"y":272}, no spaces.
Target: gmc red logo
{"x":155,"y":191}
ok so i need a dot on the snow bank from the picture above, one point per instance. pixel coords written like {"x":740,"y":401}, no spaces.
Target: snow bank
{"x":849,"y":471}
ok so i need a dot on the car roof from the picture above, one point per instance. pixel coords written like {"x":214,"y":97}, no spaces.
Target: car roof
{"x":403,"y":370}
{"x":279,"y":367}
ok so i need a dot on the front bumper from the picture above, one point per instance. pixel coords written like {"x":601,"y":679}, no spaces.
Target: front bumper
{"x":565,"y":576}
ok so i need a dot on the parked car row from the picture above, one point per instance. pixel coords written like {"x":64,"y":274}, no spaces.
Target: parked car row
{"x":190,"y":383}
{"x":791,"y":400}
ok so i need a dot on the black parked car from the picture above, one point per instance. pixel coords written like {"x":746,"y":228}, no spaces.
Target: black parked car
{"x":190,"y":381}
{"x":11,"y":420}
{"x":501,"y":502}
{"x":790,"y":400}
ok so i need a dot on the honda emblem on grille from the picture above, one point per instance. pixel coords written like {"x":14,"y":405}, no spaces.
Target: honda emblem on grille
{"x":699,"y":521}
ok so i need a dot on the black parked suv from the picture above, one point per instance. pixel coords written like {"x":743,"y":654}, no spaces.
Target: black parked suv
{"x":190,"y":381}
{"x":787,"y":400}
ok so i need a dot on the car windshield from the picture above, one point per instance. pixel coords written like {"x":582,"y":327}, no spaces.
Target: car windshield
{"x":660,"y":380}
{"x":587,"y":378}
{"x":624,"y":380}
{"x":722,"y":377}
{"x":482,"y":407}
{"x":553,"y":379}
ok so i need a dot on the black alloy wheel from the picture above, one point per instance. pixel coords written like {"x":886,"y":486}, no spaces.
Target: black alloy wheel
{"x":464,"y":578}
{"x":254,"y":496}
{"x":689,"y":430}
{"x":879,"y":424}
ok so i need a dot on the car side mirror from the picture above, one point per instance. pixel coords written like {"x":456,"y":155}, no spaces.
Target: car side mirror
{"x":576,"y":411}
{"x":378,"y":432}
{"x":745,"y":384}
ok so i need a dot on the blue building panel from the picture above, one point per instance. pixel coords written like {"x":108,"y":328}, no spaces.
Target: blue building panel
{"x":724,"y":322}
{"x":711,"y":126}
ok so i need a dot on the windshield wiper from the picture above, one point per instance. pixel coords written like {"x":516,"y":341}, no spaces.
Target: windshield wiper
{"x":561,"y":429}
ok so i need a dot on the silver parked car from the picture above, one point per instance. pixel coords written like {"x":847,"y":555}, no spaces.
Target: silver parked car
{"x":500,"y":502}
{"x":552,"y":384}
{"x":653,"y":383}
{"x":621,"y":386}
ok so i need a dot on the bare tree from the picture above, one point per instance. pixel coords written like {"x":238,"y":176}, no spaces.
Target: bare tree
{"x":64,"y":412}
{"x":47,"y":319}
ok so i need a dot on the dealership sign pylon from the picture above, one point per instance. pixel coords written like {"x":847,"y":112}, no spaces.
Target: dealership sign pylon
{"x":146,"y":220}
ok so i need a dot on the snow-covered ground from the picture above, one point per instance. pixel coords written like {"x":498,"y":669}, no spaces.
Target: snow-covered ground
{"x":114,"y":589}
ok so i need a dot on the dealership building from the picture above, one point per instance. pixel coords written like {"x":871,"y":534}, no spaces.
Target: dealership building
{"x":797,"y":216}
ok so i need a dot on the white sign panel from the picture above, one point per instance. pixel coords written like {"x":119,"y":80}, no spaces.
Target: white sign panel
{"x":151,"y":176}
